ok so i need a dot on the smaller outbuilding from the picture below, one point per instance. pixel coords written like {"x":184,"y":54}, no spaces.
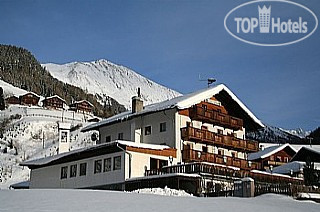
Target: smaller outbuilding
{"x":82,"y":106}
{"x":55,"y":102}
{"x":273,"y":156}
{"x":12,"y":100}
{"x":29,"y":98}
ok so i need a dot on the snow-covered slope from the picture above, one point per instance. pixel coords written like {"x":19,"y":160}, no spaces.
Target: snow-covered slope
{"x":32,"y":132}
{"x":271,"y":134}
{"x":9,"y":90}
{"x":107,"y":79}
{"x":298,"y":132}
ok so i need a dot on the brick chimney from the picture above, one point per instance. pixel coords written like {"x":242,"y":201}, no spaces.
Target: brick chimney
{"x":137,"y":103}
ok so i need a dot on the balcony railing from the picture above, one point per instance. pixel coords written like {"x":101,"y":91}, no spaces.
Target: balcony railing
{"x":206,"y":136}
{"x":215,"y":117}
{"x":219,"y":171}
{"x":190,"y":155}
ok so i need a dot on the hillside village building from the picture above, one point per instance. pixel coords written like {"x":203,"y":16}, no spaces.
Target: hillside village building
{"x":82,"y":106}
{"x":29,"y":98}
{"x":195,"y":142}
{"x":12,"y":100}
{"x":273,"y":156}
{"x":55,"y":102}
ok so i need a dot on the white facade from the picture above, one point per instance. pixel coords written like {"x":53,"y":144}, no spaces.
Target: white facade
{"x":133,"y":164}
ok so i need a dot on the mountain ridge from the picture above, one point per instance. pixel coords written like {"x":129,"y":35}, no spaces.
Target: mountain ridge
{"x":104,"y":79}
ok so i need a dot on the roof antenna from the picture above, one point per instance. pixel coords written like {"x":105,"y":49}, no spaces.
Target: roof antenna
{"x":209,"y":80}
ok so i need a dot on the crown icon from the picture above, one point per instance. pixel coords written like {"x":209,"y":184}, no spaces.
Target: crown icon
{"x":264,"y":19}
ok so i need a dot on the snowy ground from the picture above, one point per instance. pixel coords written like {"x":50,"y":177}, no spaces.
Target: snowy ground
{"x":88,"y":200}
{"x":163,"y":191}
{"x":34,"y":135}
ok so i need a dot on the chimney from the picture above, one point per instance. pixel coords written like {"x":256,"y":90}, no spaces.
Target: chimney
{"x":137,"y":103}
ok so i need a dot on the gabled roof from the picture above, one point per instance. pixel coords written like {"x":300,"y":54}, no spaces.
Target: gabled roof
{"x":54,"y":96}
{"x":15,"y":96}
{"x":29,"y":92}
{"x":86,"y":152}
{"x":222,"y":93}
{"x":79,"y":102}
{"x":305,"y":154}
{"x":295,"y":166}
{"x":270,"y":151}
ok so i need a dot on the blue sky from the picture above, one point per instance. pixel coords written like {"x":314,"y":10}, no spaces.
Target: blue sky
{"x":172,"y":42}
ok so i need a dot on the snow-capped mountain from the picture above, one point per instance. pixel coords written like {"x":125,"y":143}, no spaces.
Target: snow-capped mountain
{"x":271,"y":134}
{"x":298,"y":132}
{"x":105,"y":79}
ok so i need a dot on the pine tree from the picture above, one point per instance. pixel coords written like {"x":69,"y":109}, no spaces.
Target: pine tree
{"x":2,"y":104}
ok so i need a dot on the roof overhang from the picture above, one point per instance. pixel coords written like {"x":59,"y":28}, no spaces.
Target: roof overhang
{"x":96,"y":150}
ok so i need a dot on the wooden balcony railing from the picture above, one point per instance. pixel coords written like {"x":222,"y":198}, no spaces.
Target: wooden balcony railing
{"x":220,"y":171}
{"x":206,"y":136}
{"x":190,"y":155}
{"x":215,"y":117}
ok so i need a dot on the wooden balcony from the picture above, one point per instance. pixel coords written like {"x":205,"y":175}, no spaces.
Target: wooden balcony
{"x":220,"y":171}
{"x":190,"y":155}
{"x":208,"y":137}
{"x":215,"y":117}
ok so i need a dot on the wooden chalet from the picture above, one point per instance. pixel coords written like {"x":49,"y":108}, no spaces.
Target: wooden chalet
{"x":12,"y":100}
{"x":55,"y":102}
{"x":82,"y":106}
{"x":29,"y":98}
{"x":273,"y":156}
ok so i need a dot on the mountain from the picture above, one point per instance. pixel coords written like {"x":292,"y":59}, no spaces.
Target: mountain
{"x":21,"y":69}
{"x":106,"y":79}
{"x":271,"y":134}
{"x":301,"y":133}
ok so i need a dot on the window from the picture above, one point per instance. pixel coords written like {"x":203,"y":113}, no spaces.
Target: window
{"x":107,"y":165}
{"x":64,"y":136}
{"x":117,"y":163}
{"x":163,"y":127}
{"x":108,"y":139}
{"x":278,"y":159}
{"x":83,"y":169}
{"x":120,"y":136}
{"x":204,"y":149}
{"x":286,"y":159}
{"x":97,"y":166}
{"x":73,"y":170}
{"x":147,"y":130}
{"x":64,"y":172}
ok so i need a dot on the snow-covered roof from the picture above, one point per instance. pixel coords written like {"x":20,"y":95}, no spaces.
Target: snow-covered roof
{"x":55,"y":96}
{"x":269,"y":151}
{"x":51,"y":159}
{"x":306,"y":153}
{"x":275,"y":174}
{"x":16,"y":96}
{"x":29,"y":92}
{"x":295,"y":166}
{"x":180,"y":102}
{"x":79,"y":102}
